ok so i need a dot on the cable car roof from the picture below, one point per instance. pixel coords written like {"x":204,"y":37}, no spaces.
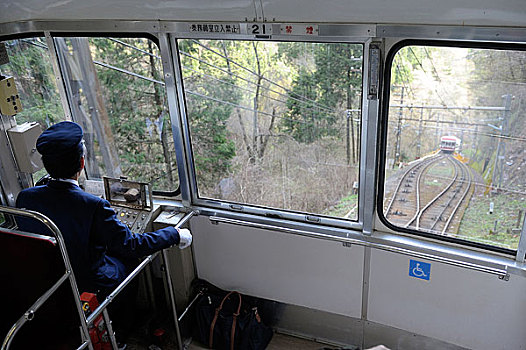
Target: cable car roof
{"x":444,"y":12}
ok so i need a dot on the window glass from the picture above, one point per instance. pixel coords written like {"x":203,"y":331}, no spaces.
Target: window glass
{"x":30,"y":66}
{"x":117,"y":94}
{"x":456,"y":135}
{"x":275,"y":124}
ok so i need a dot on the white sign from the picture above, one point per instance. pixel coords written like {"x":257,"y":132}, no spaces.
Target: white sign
{"x":299,"y":29}
{"x":225,"y":28}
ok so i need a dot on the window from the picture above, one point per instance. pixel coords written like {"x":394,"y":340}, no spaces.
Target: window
{"x":456,"y":134}
{"x":275,"y":124}
{"x":116,"y":93}
{"x":30,"y":66}
{"x":118,"y":96}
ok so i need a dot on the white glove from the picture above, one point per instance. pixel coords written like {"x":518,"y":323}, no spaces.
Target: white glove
{"x":185,"y":238}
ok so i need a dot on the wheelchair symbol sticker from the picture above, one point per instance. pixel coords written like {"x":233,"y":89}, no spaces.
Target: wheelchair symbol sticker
{"x":419,"y":269}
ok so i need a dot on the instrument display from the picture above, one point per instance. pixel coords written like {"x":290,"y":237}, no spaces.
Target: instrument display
{"x":131,"y":200}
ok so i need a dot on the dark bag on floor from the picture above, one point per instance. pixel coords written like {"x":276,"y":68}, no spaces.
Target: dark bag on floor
{"x":223,"y":319}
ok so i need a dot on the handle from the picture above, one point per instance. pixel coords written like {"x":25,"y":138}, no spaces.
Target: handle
{"x":234,"y":321}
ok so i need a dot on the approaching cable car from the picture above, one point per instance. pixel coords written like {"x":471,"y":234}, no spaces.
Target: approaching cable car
{"x":449,"y":144}
{"x":274,"y":130}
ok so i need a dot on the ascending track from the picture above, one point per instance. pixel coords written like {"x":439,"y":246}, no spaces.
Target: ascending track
{"x":431,"y":195}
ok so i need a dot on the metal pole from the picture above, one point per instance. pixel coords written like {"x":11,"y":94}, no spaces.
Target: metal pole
{"x":172,"y":298}
{"x":62,"y":246}
{"x":419,"y":149}
{"x":505,"y":115}
{"x":30,"y":313}
{"x":109,"y":329}
{"x":134,"y":273}
{"x":120,"y":287}
{"x":521,"y":249}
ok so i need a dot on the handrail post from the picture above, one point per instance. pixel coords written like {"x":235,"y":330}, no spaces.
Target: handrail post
{"x":135,"y":273}
{"x":69,"y":270}
{"x":169,"y":281}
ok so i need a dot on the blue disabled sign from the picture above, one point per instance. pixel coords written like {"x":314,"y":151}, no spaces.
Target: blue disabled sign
{"x":419,"y":269}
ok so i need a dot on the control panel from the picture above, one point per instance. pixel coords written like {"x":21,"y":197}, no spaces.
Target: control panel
{"x":131,"y":200}
{"x":136,"y":220}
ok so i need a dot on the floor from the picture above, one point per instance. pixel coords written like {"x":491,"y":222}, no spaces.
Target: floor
{"x":278,"y":342}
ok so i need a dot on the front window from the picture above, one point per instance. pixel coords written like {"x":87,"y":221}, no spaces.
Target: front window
{"x":275,"y":124}
{"x":117,"y":94}
{"x":455,"y":163}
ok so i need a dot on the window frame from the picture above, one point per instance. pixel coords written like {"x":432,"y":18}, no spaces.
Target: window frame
{"x":383,"y":127}
{"x":124,"y":35}
{"x":253,"y":209}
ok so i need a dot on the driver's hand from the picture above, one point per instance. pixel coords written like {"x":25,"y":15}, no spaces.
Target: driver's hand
{"x":185,"y":238}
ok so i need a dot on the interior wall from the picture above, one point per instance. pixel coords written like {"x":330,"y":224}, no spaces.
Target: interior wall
{"x":314,"y":273}
{"x":461,"y":306}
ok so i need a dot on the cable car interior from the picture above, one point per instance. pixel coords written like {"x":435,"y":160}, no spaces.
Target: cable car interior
{"x":299,"y":141}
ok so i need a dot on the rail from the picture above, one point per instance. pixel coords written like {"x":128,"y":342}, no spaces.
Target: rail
{"x":468,"y":187}
{"x":501,"y":273}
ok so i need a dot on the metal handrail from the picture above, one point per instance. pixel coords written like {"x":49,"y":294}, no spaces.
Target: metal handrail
{"x":502,"y":273}
{"x":101,"y":309}
{"x":134,"y":274}
{"x":28,"y":315}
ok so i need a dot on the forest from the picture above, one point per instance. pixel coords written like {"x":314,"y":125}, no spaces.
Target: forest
{"x":278,"y":124}
{"x":271,"y":124}
{"x":478,"y":96}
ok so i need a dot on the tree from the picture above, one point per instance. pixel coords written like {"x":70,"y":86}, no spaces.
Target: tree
{"x":324,"y":88}
{"x":208,"y":83}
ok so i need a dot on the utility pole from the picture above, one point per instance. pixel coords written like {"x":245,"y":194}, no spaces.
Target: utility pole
{"x":498,"y":167}
{"x":399,"y":130}
{"x":419,"y":145}
{"x":348,"y":138}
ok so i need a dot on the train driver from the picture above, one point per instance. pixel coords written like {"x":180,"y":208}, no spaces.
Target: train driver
{"x":102,"y":250}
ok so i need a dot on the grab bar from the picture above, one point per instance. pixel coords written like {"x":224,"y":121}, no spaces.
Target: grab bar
{"x":68,"y":275}
{"x":501,"y":273}
{"x":134,"y":273}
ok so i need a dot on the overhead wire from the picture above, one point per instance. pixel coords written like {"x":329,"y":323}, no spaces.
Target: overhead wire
{"x":250,"y":81}
{"x":234,"y":85}
{"x":301,"y":99}
{"x":258,"y":75}
{"x":121,"y":70}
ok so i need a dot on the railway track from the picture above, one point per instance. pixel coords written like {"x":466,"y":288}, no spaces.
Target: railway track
{"x":431,"y":195}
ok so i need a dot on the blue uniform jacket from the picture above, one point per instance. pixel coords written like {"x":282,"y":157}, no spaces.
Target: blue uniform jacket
{"x":102,"y":250}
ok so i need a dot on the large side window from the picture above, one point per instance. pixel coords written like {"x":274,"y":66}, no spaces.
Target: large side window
{"x":456,"y":134}
{"x":275,"y":124}
{"x":116,"y":92}
{"x":30,"y":66}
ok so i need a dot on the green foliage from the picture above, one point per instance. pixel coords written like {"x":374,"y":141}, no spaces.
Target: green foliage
{"x":327,"y":82}
{"x":31,"y":67}
{"x":479,"y":225}
{"x":136,"y":108}
{"x":344,"y":206}
{"x":499,"y":73}
{"x":208,"y":82}
{"x":406,"y":61}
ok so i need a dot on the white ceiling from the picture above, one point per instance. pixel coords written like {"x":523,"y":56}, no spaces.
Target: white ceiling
{"x":439,"y":12}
